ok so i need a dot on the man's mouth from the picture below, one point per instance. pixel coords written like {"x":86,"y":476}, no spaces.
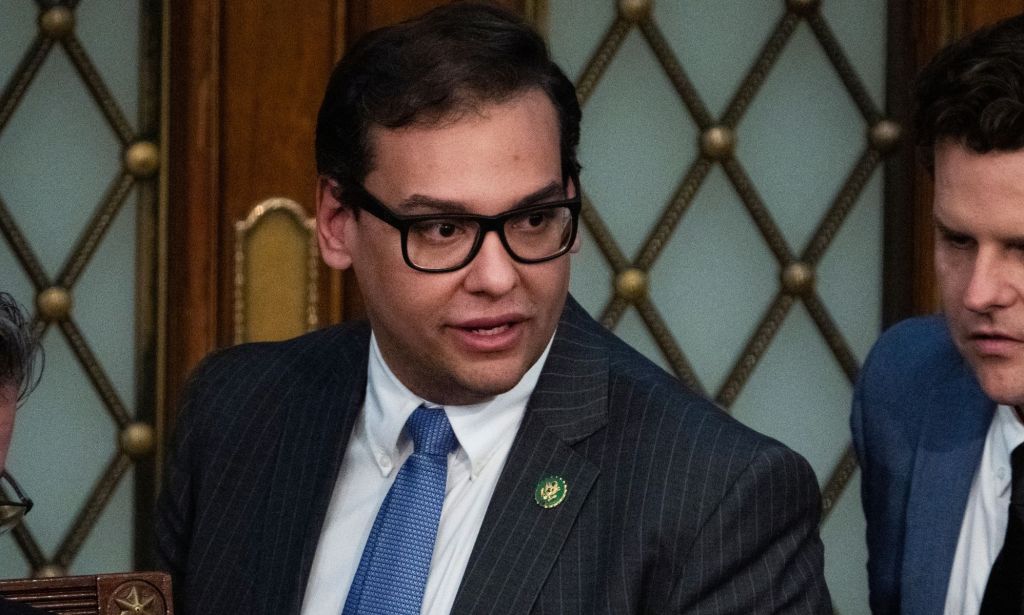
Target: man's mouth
{"x":993,"y":334}
{"x":491,"y":330}
{"x":491,"y":334}
{"x":491,"y":323}
{"x":991,"y":342}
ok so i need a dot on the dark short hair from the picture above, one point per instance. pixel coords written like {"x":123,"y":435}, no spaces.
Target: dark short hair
{"x":18,"y":348}
{"x":433,"y":69}
{"x":972,"y":92}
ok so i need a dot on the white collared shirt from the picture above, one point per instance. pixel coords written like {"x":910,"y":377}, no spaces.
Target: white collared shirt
{"x":985,"y":518}
{"x":378,"y":448}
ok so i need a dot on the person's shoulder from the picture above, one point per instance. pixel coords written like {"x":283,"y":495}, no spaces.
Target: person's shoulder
{"x":695,"y":445}
{"x":701,"y":426}
{"x":893,"y":393}
{"x":322,"y":350}
{"x":680,"y":439}
{"x":915,"y":342}
{"x":914,"y":350}
{"x":235,"y":380}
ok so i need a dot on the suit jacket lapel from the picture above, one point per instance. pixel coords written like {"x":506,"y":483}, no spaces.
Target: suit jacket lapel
{"x":947,"y":457}
{"x":519,"y":540}
{"x":315,"y":427}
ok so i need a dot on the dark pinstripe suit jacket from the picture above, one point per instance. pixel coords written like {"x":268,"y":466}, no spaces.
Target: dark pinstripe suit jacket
{"x":673,"y":506}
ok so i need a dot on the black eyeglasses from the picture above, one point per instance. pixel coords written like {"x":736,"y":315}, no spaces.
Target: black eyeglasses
{"x":439,"y":243}
{"x":11,"y":511}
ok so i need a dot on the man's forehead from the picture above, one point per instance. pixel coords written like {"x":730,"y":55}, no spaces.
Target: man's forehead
{"x":461,"y":104}
{"x":957,"y":167}
{"x":467,"y":108}
{"x":506,"y":146}
{"x":980,"y":193}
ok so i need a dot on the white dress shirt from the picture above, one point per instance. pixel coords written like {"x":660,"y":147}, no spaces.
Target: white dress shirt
{"x":985,"y":519}
{"x":377,"y":449}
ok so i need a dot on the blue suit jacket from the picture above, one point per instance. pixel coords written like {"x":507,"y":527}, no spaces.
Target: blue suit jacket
{"x":919,"y":423}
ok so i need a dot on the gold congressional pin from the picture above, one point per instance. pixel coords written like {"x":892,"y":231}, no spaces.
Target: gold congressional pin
{"x":550,"y":491}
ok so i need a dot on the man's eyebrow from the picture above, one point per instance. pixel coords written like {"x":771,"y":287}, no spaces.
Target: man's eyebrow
{"x":554,"y":190}
{"x":429,"y":204}
{"x":942,"y":228}
{"x":945,"y":231}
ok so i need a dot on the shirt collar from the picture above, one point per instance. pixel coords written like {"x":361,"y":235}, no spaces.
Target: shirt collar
{"x":1009,"y":433}
{"x":480,"y":428}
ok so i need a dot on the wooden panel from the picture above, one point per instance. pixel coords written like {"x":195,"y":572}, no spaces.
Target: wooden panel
{"x":245,"y":82}
{"x":277,"y":57}
{"x":978,"y":13}
{"x":899,"y":262}
{"x":193,"y":191}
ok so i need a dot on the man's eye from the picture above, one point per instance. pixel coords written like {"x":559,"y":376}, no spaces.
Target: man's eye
{"x":439,"y":230}
{"x":958,"y":241}
{"x":541,"y":218}
{"x":532,"y":221}
{"x":537,"y":219}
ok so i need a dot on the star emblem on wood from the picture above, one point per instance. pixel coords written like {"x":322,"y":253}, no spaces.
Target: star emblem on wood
{"x":134,"y":604}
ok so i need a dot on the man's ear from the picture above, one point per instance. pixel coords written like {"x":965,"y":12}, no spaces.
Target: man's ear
{"x":576,"y":242}
{"x":575,"y":249}
{"x":334,"y":222}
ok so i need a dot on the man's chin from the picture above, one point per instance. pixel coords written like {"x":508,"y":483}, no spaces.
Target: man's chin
{"x":1003,"y":385}
{"x":477,"y":391}
{"x":483,"y":384}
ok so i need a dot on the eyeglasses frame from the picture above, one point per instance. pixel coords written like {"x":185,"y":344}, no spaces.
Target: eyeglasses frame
{"x":23,"y":500}
{"x":358,"y":196}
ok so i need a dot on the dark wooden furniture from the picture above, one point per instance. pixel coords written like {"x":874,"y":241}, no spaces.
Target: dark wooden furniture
{"x":141,"y":593}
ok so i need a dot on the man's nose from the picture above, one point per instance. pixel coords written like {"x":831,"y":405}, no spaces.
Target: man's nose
{"x":988,"y":287}
{"x":492,"y":271}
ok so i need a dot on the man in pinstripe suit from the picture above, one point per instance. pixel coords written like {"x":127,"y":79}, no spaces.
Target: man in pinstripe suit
{"x":584,"y":480}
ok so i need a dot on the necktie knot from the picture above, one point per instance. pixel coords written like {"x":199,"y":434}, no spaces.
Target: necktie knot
{"x":431,"y":432}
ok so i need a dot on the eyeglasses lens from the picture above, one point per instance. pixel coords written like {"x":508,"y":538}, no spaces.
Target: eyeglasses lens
{"x":442,"y":243}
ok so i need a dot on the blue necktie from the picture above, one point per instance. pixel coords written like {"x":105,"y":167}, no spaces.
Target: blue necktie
{"x":393,"y":571}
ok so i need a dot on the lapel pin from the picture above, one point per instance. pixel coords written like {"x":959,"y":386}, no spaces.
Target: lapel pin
{"x":550,"y":491}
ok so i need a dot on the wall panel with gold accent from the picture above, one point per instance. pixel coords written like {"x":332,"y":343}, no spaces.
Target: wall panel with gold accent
{"x":733,"y":184}
{"x":277,"y":265}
